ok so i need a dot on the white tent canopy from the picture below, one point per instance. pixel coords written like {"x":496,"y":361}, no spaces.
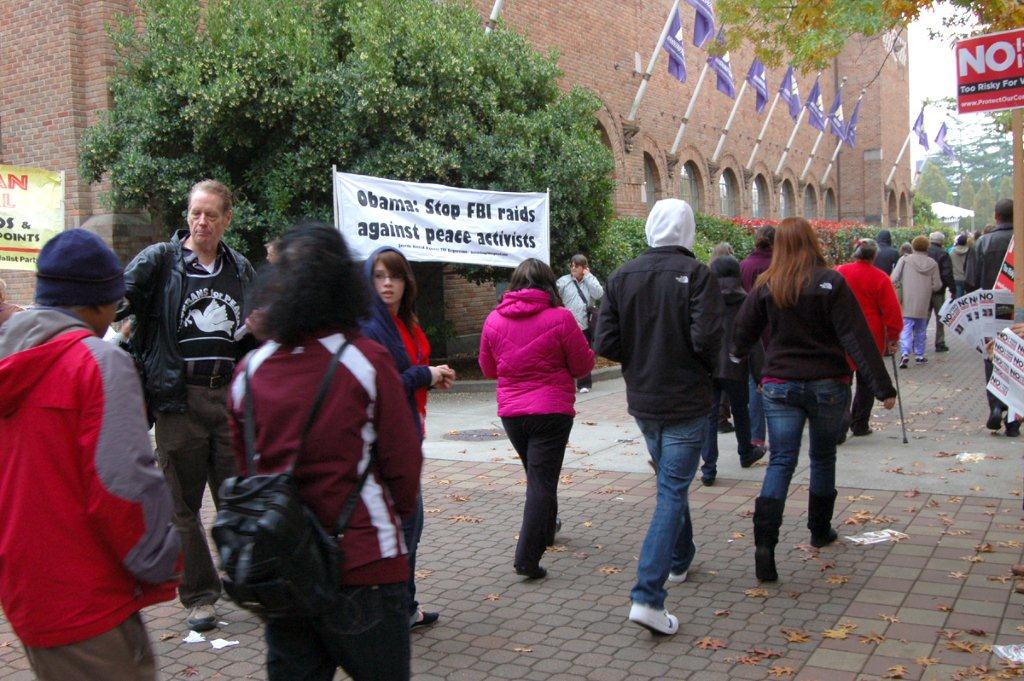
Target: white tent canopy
{"x":951,"y":215}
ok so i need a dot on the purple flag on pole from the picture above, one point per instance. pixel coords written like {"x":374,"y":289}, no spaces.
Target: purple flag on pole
{"x":790,"y":93}
{"x":922,"y":136}
{"x":757,"y":80}
{"x":704,"y":22}
{"x":835,"y":116}
{"x":816,"y":107}
{"x":674,"y":47}
{"x":851,"y":128}
{"x":723,"y":70}
{"x":940,"y":140}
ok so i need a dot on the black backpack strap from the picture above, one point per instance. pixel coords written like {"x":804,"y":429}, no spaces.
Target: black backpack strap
{"x":350,"y":504}
{"x":580,"y":291}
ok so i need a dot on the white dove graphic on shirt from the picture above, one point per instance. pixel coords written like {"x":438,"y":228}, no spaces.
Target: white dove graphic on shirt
{"x":214,"y":318}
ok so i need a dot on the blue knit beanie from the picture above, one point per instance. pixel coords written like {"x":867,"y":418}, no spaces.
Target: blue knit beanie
{"x":76,"y":268}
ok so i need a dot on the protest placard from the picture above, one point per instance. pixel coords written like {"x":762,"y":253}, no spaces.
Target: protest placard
{"x":978,"y":316}
{"x":1004,"y":280}
{"x":1007,"y":382}
{"x":31,"y":213}
{"x":431,"y":222}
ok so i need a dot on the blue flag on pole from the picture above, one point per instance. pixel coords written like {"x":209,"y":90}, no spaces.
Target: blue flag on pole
{"x":756,"y":79}
{"x":940,"y":140}
{"x":922,"y":136}
{"x":816,"y":107}
{"x":704,"y":22}
{"x":723,"y":69}
{"x":835,"y":116}
{"x":790,"y":93}
{"x":674,"y":47}
{"x":850,"y":137}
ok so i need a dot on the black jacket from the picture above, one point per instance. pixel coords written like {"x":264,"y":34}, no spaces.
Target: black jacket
{"x":985,"y":259}
{"x":154,"y":280}
{"x":940,"y":256}
{"x":662,"y":319}
{"x":887,"y":255}
{"x":733,"y":296}
{"x":810,"y":341}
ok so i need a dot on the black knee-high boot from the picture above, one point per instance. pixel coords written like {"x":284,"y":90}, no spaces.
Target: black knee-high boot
{"x":767,"y":519}
{"x":819,"y":519}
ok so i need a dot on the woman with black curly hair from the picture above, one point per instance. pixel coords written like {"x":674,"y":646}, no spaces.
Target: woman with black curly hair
{"x":313,"y":299}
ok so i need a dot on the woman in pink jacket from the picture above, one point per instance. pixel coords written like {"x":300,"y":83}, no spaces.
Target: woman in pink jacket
{"x":535,"y":349}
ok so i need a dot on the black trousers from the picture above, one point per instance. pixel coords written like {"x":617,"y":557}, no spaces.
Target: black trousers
{"x":540,"y":441}
{"x":860,"y":408}
{"x":588,"y":380}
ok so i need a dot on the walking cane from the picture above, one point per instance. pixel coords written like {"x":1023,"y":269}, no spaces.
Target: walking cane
{"x":899,"y":398}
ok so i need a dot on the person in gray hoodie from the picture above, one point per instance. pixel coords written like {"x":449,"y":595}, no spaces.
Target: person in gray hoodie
{"x":958,"y":257}
{"x":917,"y":278}
{"x":662,"y":320}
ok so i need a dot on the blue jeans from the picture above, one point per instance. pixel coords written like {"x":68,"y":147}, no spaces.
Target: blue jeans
{"x":788,"y":407}
{"x":756,"y":409}
{"x":675,"y":448}
{"x":736,"y":391}
{"x":412,"y":530}
{"x":367,"y":636}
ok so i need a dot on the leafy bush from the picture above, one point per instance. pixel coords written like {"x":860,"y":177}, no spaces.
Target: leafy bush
{"x":267,"y":96}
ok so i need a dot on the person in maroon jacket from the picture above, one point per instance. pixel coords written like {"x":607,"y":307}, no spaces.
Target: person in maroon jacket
{"x":759,"y":260}
{"x":313,"y":298}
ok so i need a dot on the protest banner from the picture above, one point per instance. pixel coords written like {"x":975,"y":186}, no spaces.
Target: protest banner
{"x":1007,"y":382}
{"x":978,"y":316}
{"x":31,"y":213}
{"x":1004,"y":280}
{"x":990,"y":72}
{"x":434,"y":223}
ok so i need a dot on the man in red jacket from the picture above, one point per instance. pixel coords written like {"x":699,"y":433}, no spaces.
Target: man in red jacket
{"x":87,"y":539}
{"x":877,"y":299}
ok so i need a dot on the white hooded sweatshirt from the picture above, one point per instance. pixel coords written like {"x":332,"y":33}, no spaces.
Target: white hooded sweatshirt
{"x":671,"y":223}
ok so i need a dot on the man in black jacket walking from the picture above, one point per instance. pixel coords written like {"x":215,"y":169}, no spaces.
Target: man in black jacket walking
{"x":189,"y":298}
{"x":662,"y":319}
{"x":937,"y":252}
{"x":983,"y":263}
{"x":887,"y":255}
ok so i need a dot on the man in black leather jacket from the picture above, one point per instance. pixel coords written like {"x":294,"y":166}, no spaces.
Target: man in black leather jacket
{"x":189,"y":299}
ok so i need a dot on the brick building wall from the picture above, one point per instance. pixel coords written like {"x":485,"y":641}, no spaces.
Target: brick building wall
{"x":58,"y":58}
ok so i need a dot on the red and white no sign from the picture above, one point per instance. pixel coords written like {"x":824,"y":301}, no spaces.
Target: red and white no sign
{"x":990,"y":72}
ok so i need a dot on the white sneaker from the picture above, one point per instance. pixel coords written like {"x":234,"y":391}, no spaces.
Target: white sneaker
{"x":584,"y":390}
{"x":677,"y":576}
{"x":657,"y":621}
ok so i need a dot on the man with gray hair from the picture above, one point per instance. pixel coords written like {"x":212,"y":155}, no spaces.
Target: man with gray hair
{"x":189,"y":297}
{"x":6,"y":309}
{"x":938,"y":253}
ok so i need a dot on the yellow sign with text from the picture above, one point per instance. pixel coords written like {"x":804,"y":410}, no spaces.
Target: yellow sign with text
{"x":31,"y":213}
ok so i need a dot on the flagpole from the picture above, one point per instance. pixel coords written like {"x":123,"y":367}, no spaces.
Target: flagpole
{"x":728,"y":123}
{"x":821,"y":134}
{"x":764,"y":128}
{"x":792,"y":136}
{"x":899,"y":158}
{"x":650,"y":65}
{"x":689,"y":109}
{"x":835,"y":154}
{"x":495,"y":13}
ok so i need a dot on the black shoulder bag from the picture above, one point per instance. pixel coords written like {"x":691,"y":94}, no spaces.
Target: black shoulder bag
{"x":591,"y":310}
{"x":276,"y":560}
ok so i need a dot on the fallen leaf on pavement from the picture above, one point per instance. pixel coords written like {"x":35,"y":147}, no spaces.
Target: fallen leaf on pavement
{"x":780,"y":672}
{"x":738,"y":535}
{"x":984,"y":547}
{"x":926,"y":661}
{"x":944,"y":608}
{"x":764,"y":653}
{"x":749,"y":660}
{"x":958,"y":575}
{"x":721,"y":613}
{"x":835,"y":633}
{"x":708,"y":643}
{"x":891,"y":619}
{"x":795,"y":636}
{"x":859,"y":497}
{"x":873,"y":637}
{"x":896,"y":672}
{"x":522,"y":649}
{"x":837,"y":579}
{"x":168,"y":637}
{"x":948,"y":634}
{"x":609,"y":570}
{"x":977,"y":632}
{"x":961,"y":646}
{"x":588,"y":524}
{"x":492,"y":597}
{"x":757,"y":592}
{"x":910,"y":494}
{"x":465,"y":519}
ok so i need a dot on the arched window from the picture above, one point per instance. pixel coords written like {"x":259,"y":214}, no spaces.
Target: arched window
{"x":728,"y":191}
{"x":830,"y":205}
{"x":690,"y":186}
{"x":787,"y":200}
{"x":810,"y":202}
{"x":759,"y":197}
{"x":904,"y":211}
{"x":893,"y":214}
{"x":652,"y":181}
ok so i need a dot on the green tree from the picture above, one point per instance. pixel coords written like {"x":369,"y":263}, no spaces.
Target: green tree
{"x":811,"y":33}
{"x":932,"y":185}
{"x":984,"y":203}
{"x":1005,"y":188}
{"x":924,"y":216}
{"x":267,"y":96}
{"x":965,"y":199}
{"x":988,"y":153}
